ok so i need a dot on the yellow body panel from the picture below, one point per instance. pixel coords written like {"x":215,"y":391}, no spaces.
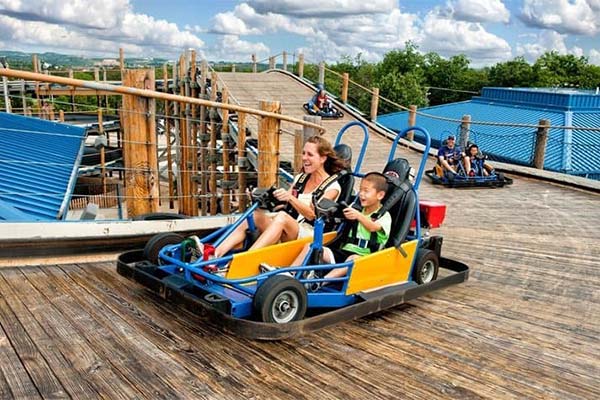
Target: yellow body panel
{"x":246,"y":264}
{"x":383,"y":268}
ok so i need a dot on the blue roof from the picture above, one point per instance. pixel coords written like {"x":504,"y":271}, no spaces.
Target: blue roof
{"x":38,"y":167}
{"x":571,"y":151}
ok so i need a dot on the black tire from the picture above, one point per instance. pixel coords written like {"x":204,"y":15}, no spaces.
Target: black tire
{"x":159,"y":216}
{"x":157,"y":242}
{"x":427,"y":266}
{"x":280,"y":299}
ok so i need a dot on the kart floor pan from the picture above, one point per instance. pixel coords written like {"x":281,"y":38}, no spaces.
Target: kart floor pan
{"x":178,"y":292}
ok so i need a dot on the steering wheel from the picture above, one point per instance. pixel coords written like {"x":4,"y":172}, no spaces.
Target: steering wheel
{"x":265,"y":198}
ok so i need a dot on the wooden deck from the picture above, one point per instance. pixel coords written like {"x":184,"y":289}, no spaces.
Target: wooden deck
{"x":526,"y":324}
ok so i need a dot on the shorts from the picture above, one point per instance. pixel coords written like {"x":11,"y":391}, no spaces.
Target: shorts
{"x":305,"y":229}
{"x":336,"y":256}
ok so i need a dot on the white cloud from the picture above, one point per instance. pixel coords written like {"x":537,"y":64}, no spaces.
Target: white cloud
{"x":232,"y":48}
{"x":323,"y":9}
{"x":449,"y":37}
{"x":80,"y":26}
{"x":580,"y":17}
{"x":479,"y":10}
{"x":594,"y":57}
{"x":544,"y":42}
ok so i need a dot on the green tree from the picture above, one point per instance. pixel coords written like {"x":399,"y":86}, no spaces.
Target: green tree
{"x":515,"y":73}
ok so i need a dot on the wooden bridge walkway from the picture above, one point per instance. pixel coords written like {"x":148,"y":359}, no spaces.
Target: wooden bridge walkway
{"x":526,"y":324}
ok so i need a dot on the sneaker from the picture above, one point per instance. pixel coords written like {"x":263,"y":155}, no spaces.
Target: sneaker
{"x":471,"y":173}
{"x":312,"y":286}
{"x":264,"y":267}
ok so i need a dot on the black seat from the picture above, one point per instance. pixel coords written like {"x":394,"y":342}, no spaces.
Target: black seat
{"x":400,"y":200}
{"x":346,"y":182}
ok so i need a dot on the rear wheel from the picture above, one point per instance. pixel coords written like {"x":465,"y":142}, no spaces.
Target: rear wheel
{"x":426,"y":266}
{"x":157,"y":242}
{"x":280,"y":299}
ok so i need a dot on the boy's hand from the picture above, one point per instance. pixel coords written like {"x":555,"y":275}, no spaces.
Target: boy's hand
{"x":351,"y":213}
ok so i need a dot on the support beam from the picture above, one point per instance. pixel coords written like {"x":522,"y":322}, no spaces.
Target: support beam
{"x":139,"y":145}
{"x":541,"y":140}
{"x":268,"y":145}
{"x":412,"y":121}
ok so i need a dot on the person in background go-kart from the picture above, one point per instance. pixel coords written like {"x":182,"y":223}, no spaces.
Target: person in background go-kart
{"x":449,"y":155}
{"x":477,"y":161}
{"x":319,"y":161}
{"x":320,"y":101}
{"x":373,"y":188}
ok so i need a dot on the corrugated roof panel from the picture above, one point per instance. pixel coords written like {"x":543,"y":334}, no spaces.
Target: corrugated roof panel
{"x":38,"y":167}
{"x":585,"y":145}
{"x":512,"y":144}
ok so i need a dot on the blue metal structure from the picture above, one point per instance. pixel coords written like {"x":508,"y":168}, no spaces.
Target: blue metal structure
{"x":38,"y":167}
{"x":569,"y":151}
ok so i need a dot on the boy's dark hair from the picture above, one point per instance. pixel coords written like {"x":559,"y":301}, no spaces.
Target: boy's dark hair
{"x":378,"y":180}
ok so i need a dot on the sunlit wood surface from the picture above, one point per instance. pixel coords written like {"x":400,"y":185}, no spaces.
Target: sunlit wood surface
{"x":526,"y":324}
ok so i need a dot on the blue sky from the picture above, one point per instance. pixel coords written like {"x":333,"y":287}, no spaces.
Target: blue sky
{"x":487,"y":31}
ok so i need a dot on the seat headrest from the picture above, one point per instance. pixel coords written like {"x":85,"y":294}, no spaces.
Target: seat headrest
{"x":397,"y":171}
{"x":344,"y":153}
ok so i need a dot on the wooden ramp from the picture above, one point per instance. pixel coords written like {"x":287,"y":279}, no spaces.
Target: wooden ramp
{"x":526,"y":324}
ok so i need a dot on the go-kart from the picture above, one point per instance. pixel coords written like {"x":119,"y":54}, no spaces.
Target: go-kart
{"x":327,"y":112}
{"x":482,"y":175}
{"x":244,"y":298}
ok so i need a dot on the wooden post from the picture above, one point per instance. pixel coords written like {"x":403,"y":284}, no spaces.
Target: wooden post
{"x":232,"y":67}
{"x":72,"y":91}
{"x":301,"y":65}
{"x":193,"y":127}
{"x":254,"y":63}
{"x":168,"y":137}
{"x":284,"y":62}
{"x":102,"y":153}
{"x":374,"y":104}
{"x":212,"y":184}
{"x":139,"y":145}
{"x":36,"y":69}
{"x":242,"y":162}
{"x":345,"y":81}
{"x":465,"y":126}
{"x":225,"y":139}
{"x":121,"y":59}
{"x":272,"y":62}
{"x":412,"y":121}
{"x":203,"y":141}
{"x":4,"y":64}
{"x":308,"y":131}
{"x":23,"y":98}
{"x":540,"y":143}
{"x":268,"y":145}
{"x":97,"y":79}
{"x":104,"y":79}
{"x":61,"y":115}
{"x":322,"y":73}
{"x":298,"y":147}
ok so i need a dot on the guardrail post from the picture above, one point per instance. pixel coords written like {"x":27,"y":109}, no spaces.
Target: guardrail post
{"x":374,"y":104}
{"x":345,"y":81}
{"x":268,"y":145}
{"x":212,"y":183}
{"x":242,"y":162}
{"x":272,"y":62}
{"x":254,"y":63}
{"x":465,"y":126}
{"x":322,"y":73}
{"x":301,"y":65}
{"x":541,"y":139}
{"x":225,"y":139}
{"x":412,"y":121}
{"x":232,"y":67}
{"x":284,"y":57}
{"x":308,"y":131}
{"x":168,"y":136}
{"x":139,"y":145}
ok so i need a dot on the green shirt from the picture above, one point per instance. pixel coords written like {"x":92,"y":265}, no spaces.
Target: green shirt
{"x":363,"y":233}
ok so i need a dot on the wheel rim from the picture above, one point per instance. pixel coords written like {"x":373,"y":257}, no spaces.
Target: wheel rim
{"x":427,"y":271}
{"x":285,"y":306}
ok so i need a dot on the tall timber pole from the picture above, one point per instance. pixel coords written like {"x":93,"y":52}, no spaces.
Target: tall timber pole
{"x":268,"y":145}
{"x":139,"y":145}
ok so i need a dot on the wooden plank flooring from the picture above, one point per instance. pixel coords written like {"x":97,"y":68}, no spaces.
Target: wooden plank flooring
{"x":526,"y":324}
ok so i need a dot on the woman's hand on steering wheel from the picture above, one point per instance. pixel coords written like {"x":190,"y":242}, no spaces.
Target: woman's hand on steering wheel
{"x":282,"y":195}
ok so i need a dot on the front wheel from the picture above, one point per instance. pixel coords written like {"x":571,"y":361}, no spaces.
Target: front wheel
{"x":280,"y":299}
{"x":427,"y":266}
{"x":157,"y":242}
